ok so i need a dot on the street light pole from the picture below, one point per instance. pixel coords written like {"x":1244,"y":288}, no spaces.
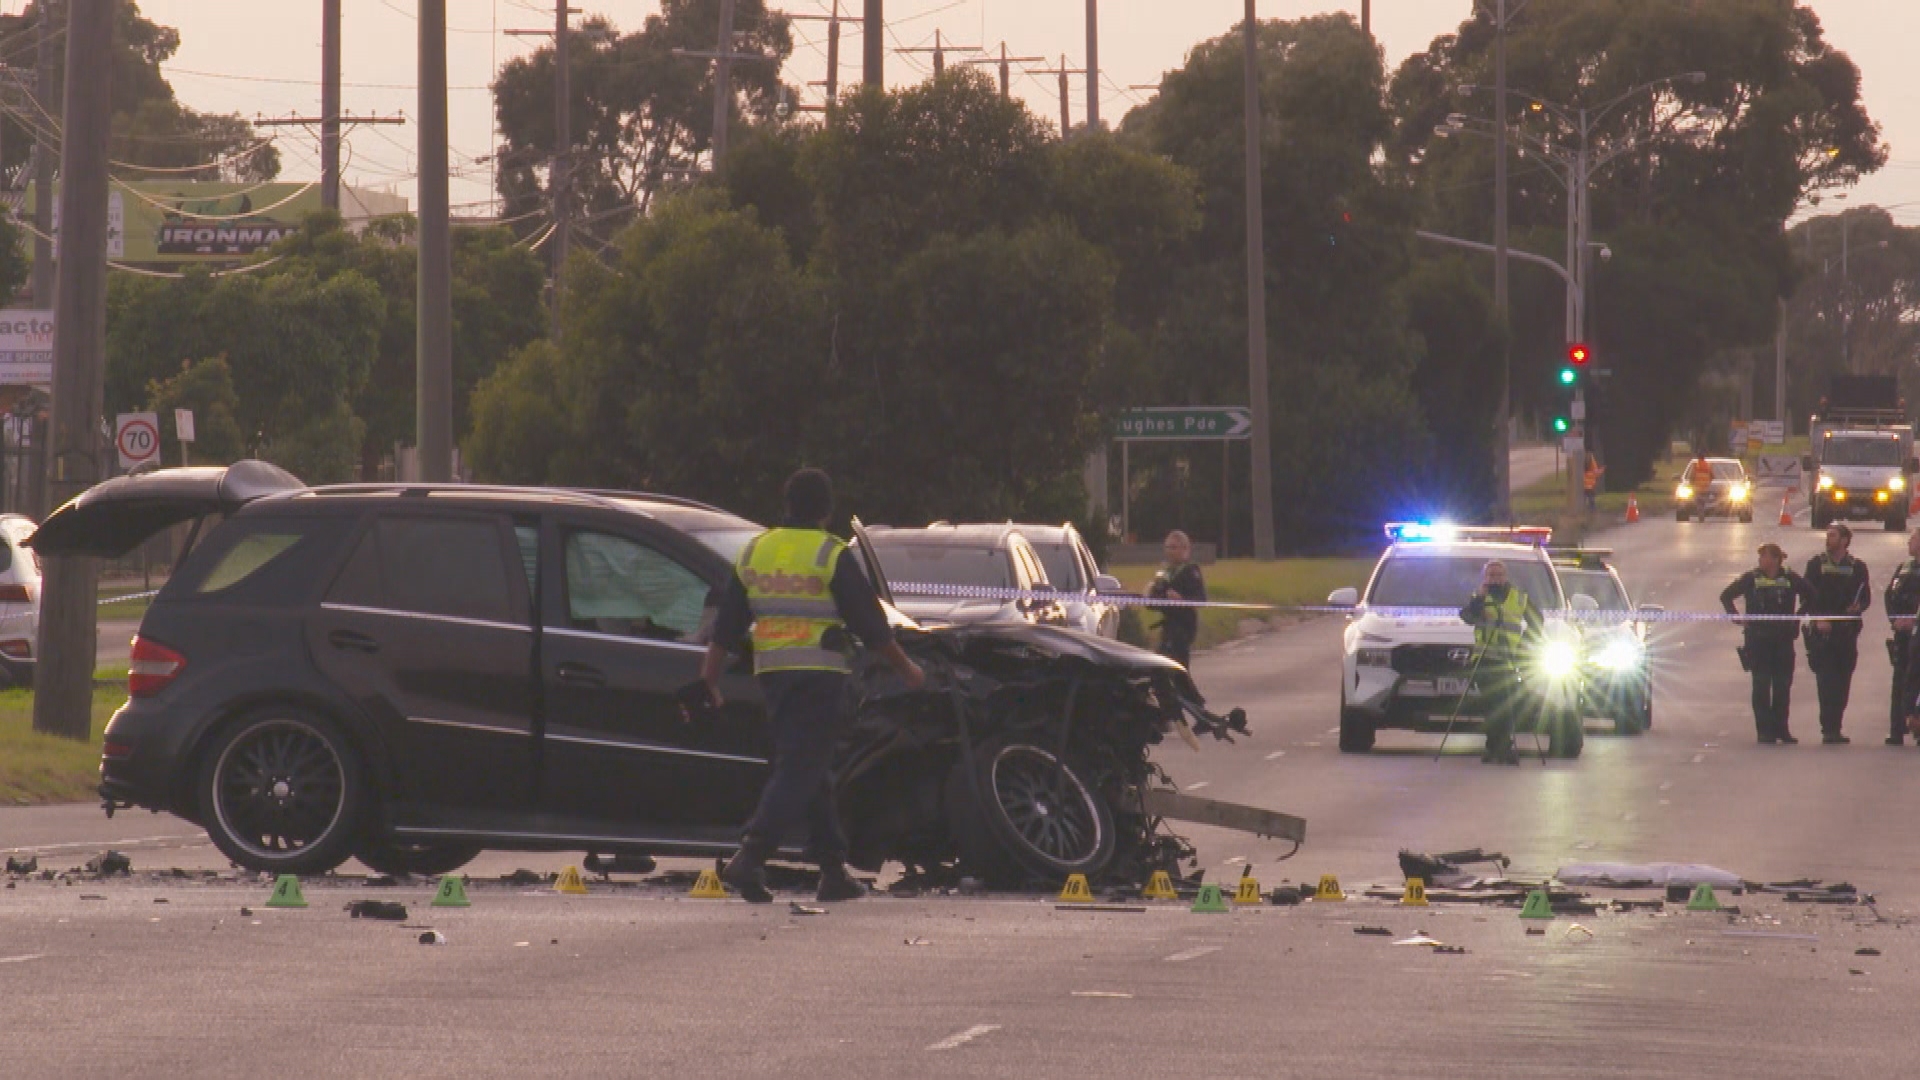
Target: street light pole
{"x":1502,"y":481}
{"x":1261,"y":474}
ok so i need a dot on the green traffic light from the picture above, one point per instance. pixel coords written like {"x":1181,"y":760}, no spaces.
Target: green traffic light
{"x":1568,"y":376}
{"x":1560,"y":425}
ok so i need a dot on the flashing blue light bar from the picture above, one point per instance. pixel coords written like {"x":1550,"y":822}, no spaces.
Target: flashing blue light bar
{"x":1441,"y":532}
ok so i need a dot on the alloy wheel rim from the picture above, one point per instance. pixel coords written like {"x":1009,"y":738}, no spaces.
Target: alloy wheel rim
{"x":1046,"y":804}
{"x":279,"y":789}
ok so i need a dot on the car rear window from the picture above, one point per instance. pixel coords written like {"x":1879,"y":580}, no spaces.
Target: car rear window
{"x":265,"y":558}
{"x":1062,"y":564}
{"x":1448,"y":581}
{"x":247,"y":556}
{"x":1597,"y":584}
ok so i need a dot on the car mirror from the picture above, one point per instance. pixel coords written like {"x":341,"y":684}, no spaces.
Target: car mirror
{"x":1107,"y":583}
{"x":1583,"y":602}
{"x":1344,"y":598}
{"x":1653,"y":608}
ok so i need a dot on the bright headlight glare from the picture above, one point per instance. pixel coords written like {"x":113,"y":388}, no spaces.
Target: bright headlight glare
{"x":1558,"y":659}
{"x":1621,"y":655}
{"x":1898,"y":483}
{"x":1741,"y":491}
{"x":1826,"y":483}
{"x":1684,"y":491}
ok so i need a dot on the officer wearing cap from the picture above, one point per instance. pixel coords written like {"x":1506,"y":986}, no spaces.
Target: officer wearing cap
{"x":1903,"y":604}
{"x":796,"y":593}
{"x":1840,"y":588}
{"x":1767,"y":654}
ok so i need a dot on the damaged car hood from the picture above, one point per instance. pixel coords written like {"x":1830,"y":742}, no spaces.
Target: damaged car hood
{"x":1061,"y":641}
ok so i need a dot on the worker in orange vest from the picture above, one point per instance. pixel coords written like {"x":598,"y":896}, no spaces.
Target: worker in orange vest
{"x":1591,"y":481}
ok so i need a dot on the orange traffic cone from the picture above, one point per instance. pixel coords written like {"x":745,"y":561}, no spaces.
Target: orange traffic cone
{"x":1786,"y":515}
{"x":1633,"y":509}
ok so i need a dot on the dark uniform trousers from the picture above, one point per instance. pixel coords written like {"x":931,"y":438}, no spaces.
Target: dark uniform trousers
{"x":1833,"y":656}
{"x":1505,"y":697}
{"x":1770,"y":662}
{"x":805,"y":711}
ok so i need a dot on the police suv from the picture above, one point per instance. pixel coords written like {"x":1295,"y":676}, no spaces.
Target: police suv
{"x":1410,"y":661}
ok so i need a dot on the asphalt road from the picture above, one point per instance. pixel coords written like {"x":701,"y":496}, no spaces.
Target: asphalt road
{"x":642,"y":981}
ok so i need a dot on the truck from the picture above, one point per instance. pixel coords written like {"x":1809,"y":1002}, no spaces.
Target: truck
{"x":1860,"y":463}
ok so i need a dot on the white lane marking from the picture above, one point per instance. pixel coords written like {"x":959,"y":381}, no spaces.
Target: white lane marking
{"x":1100,"y":994}
{"x":962,"y":1038}
{"x":21,"y":959}
{"x":88,"y":844}
{"x":1668,"y":786}
{"x":1194,"y":953}
{"x":1333,"y":731}
{"x":1698,"y":758}
{"x":1198,"y":786}
{"x":1276,"y":755}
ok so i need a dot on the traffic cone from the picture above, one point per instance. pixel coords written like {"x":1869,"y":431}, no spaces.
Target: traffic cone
{"x":1786,"y":515}
{"x":1633,"y":509}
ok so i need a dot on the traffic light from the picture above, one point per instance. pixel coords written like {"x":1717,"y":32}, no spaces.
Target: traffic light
{"x":1568,"y":376}
{"x":1578,"y":355}
{"x":1561,"y":425}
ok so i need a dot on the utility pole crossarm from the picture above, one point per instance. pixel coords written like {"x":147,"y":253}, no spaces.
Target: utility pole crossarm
{"x":1005,"y":64}
{"x":939,"y":49}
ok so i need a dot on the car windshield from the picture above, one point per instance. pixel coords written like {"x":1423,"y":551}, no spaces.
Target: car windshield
{"x":942,"y":564}
{"x":1063,"y":570}
{"x":1447,"y":581}
{"x":1728,"y":470}
{"x":1598,"y":584}
{"x":1861,"y":452}
{"x":728,"y":542}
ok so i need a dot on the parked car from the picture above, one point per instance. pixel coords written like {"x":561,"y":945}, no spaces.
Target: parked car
{"x":413,"y":673}
{"x":1074,"y":573}
{"x":962,"y":557}
{"x":19,"y":600}
{"x":1618,"y":680}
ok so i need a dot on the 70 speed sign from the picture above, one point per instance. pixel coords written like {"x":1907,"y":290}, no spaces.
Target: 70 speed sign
{"x":137,"y":437}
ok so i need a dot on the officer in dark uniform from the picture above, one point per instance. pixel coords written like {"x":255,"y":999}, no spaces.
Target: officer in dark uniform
{"x":1768,"y":652}
{"x":1903,"y":603}
{"x":796,"y":593}
{"x":1840,"y":587}
{"x":1179,"y":579}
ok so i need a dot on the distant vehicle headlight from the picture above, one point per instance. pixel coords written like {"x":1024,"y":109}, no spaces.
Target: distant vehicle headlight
{"x":1558,"y":659}
{"x":1684,"y":491}
{"x":1621,"y":654}
{"x":1898,"y":483}
{"x":1825,"y":483}
{"x":1740,"y":491}
{"x":1374,"y":657}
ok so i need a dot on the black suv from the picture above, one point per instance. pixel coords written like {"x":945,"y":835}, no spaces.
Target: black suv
{"x":412,"y":673}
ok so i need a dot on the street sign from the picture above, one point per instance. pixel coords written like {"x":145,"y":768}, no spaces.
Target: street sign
{"x":137,"y":437}
{"x":183,"y":424}
{"x":1573,"y":446}
{"x":1579,"y":408}
{"x":1770,"y":432}
{"x":26,"y":348}
{"x":1179,"y":424}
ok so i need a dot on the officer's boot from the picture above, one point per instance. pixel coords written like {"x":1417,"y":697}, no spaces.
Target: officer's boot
{"x":747,"y":871}
{"x":836,"y":884}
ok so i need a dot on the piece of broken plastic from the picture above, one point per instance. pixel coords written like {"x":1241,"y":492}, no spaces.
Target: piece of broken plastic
{"x":433,"y":937}
{"x":1420,"y":939}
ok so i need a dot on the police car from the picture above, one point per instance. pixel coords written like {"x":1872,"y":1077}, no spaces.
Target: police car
{"x":1618,"y":679}
{"x":1410,"y":661}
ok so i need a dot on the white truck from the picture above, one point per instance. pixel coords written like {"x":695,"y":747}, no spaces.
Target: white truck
{"x":1860,"y":463}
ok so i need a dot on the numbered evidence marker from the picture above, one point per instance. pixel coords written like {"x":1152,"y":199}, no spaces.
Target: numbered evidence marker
{"x":1076,"y":890}
{"x":286,"y":893}
{"x":452,"y":892}
{"x":1248,"y":891}
{"x":1416,"y":893}
{"x":1329,"y":889}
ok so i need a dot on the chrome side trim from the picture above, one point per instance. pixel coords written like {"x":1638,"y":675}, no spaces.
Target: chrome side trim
{"x":652,"y":748}
{"x":487,"y":624}
{"x":622,"y":639}
{"x":488,"y":729}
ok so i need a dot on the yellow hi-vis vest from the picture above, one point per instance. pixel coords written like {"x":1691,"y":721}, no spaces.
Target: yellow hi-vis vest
{"x":788,"y":574}
{"x":1500,"y":637}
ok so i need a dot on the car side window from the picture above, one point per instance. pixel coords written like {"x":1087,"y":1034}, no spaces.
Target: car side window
{"x":456,"y":567}
{"x":619,"y":586}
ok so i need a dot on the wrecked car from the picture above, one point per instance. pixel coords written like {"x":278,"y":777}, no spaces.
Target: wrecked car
{"x":410,"y":674}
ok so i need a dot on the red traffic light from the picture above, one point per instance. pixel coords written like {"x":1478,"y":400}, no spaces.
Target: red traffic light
{"x":1579,"y":354}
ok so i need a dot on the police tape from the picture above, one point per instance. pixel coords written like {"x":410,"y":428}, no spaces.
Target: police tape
{"x":103,"y":602}
{"x":929,"y":590}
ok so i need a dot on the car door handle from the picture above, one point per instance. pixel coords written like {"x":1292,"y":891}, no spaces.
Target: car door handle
{"x":349,"y":639}
{"x":580,"y":675}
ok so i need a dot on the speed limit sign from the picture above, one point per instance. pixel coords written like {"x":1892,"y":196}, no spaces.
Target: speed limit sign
{"x":137,"y":437}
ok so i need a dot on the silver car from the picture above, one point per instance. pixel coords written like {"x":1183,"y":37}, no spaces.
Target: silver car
{"x":962,"y":557}
{"x":19,"y":601}
{"x":1076,"y":576}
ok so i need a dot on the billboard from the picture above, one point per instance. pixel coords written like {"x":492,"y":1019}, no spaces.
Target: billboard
{"x":26,"y":348}
{"x":175,"y":223}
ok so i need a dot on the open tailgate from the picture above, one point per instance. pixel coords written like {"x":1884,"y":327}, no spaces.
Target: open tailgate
{"x":112,"y":518}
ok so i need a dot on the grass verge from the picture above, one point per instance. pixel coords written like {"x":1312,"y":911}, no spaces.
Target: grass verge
{"x":37,"y":769}
{"x":1283,"y":581}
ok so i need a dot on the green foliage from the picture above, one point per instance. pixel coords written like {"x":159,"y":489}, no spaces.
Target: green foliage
{"x":15,"y":265}
{"x":207,"y":389}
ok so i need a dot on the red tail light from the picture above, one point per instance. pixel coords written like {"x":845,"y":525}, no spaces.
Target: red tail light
{"x":18,"y":648}
{"x":14,"y":594}
{"x":151,"y":667}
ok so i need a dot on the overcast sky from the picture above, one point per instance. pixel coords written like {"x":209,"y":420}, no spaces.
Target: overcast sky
{"x":234,"y":58}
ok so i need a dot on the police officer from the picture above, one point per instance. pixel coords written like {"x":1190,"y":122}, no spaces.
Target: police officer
{"x":1903,"y":603}
{"x":1179,"y":579}
{"x":1768,"y":652}
{"x":1840,"y":587}
{"x":1502,"y":616}
{"x":795,"y":594}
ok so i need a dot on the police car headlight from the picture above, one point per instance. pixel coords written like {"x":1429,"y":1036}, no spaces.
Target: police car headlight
{"x":1684,"y":491}
{"x":1624,"y":654}
{"x":1374,"y":657}
{"x":1558,"y":659}
{"x":1825,"y":483}
{"x":1898,"y":483}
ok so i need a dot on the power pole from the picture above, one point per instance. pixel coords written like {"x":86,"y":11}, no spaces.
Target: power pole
{"x":63,"y":698}
{"x":873,"y":69}
{"x":1262,"y":471}
{"x":723,"y":59}
{"x":1064,"y":73}
{"x":330,"y":104}
{"x":1005,"y":63}
{"x":560,"y":173}
{"x":43,"y":168}
{"x":433,"y":391}
{"x":1366,"y":17}
{"x":1502,"y":481}
{"x":1780,"y":371}
{"x":1093,"y":64}
{"x":939,"y":50}
{"x":832,"y":81}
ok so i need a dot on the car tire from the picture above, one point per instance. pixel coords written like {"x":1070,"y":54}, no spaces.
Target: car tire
{"x":396,"y":857}
{"x":282,"y":791}
{"x":1356,"y":731}
{"x":1897,"y":524}
{"x":1025,"y":815}
{"x":1680,"y":514}
{"x":1567,"y":736}
{"x":1746,"y":518}
{"x":1630,"y":717}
